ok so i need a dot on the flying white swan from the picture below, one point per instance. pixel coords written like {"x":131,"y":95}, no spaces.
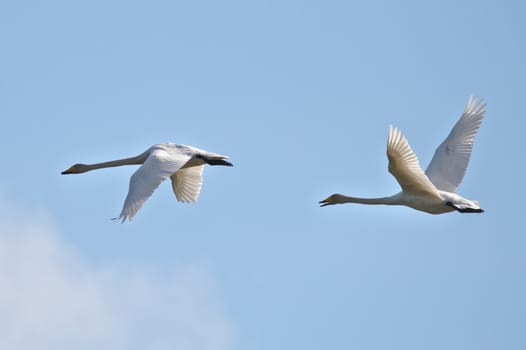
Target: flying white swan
{"x":183,"y":164}
{"x":433,"y":191}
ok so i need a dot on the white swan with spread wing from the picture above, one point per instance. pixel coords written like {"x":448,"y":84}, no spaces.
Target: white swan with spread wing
{"x":432,"y":191}
{"x":182,"y":164}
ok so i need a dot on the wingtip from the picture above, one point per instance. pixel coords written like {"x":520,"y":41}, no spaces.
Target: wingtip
{"x":122,"y":218}
{"x":475,"y":105}
{"x":394,"y":131}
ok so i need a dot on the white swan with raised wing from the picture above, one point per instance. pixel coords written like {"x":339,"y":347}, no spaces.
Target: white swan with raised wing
{"x":432,"y":191}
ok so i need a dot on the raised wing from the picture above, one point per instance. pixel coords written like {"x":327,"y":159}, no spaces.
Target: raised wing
{"x":187,"y":183}
{"x":449,"y":164}
{"x":404,"y":166}
{"x":160,"y":164}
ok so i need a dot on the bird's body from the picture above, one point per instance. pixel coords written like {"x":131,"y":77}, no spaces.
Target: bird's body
{"x":183,"y":164}
{"x":432,"y":191}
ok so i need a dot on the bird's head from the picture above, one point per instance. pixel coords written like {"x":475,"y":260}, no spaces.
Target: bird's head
{"x":76,"y":169}
{"x":334,"y":199}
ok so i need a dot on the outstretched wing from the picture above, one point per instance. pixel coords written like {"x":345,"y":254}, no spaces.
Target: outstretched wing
{"x":160,"y":164}
{"x":449,"y":164}
{"x":404,"y":166}
{"x":187,"y":182}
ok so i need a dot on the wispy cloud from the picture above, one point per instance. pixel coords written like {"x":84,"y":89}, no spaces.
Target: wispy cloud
{"x":52,"y":297}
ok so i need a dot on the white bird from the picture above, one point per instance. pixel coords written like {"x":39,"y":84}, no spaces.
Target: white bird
{"x":183,"y":164}
{"x":433,"y":191}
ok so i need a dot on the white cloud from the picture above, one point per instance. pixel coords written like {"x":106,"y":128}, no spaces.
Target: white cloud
{"x":51,"y":297}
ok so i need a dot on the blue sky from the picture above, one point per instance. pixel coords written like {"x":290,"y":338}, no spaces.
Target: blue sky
{"x":300,"y":95}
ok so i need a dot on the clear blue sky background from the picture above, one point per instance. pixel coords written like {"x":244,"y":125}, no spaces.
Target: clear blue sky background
{"x":300,"y":95}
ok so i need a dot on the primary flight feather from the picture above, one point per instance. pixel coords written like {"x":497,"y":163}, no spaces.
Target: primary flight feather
{"x":432,"y":191}
{"x":183,"y":164}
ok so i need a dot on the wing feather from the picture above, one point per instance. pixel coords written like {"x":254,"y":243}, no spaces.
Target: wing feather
{"x":160,"y":164}
{"x":451,"y":158}
{"x":404,"y":166}
{"x":187,"y":183}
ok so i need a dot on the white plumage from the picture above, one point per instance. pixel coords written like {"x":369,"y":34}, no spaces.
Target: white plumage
{"x":451,"y":158}
{"x":183,"y":164}
{"x":432,"y":191}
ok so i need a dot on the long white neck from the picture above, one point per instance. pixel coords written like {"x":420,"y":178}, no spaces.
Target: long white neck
{"x":340,"y":199}
{"x":82,"y":168}
{"x":115,"y":163}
